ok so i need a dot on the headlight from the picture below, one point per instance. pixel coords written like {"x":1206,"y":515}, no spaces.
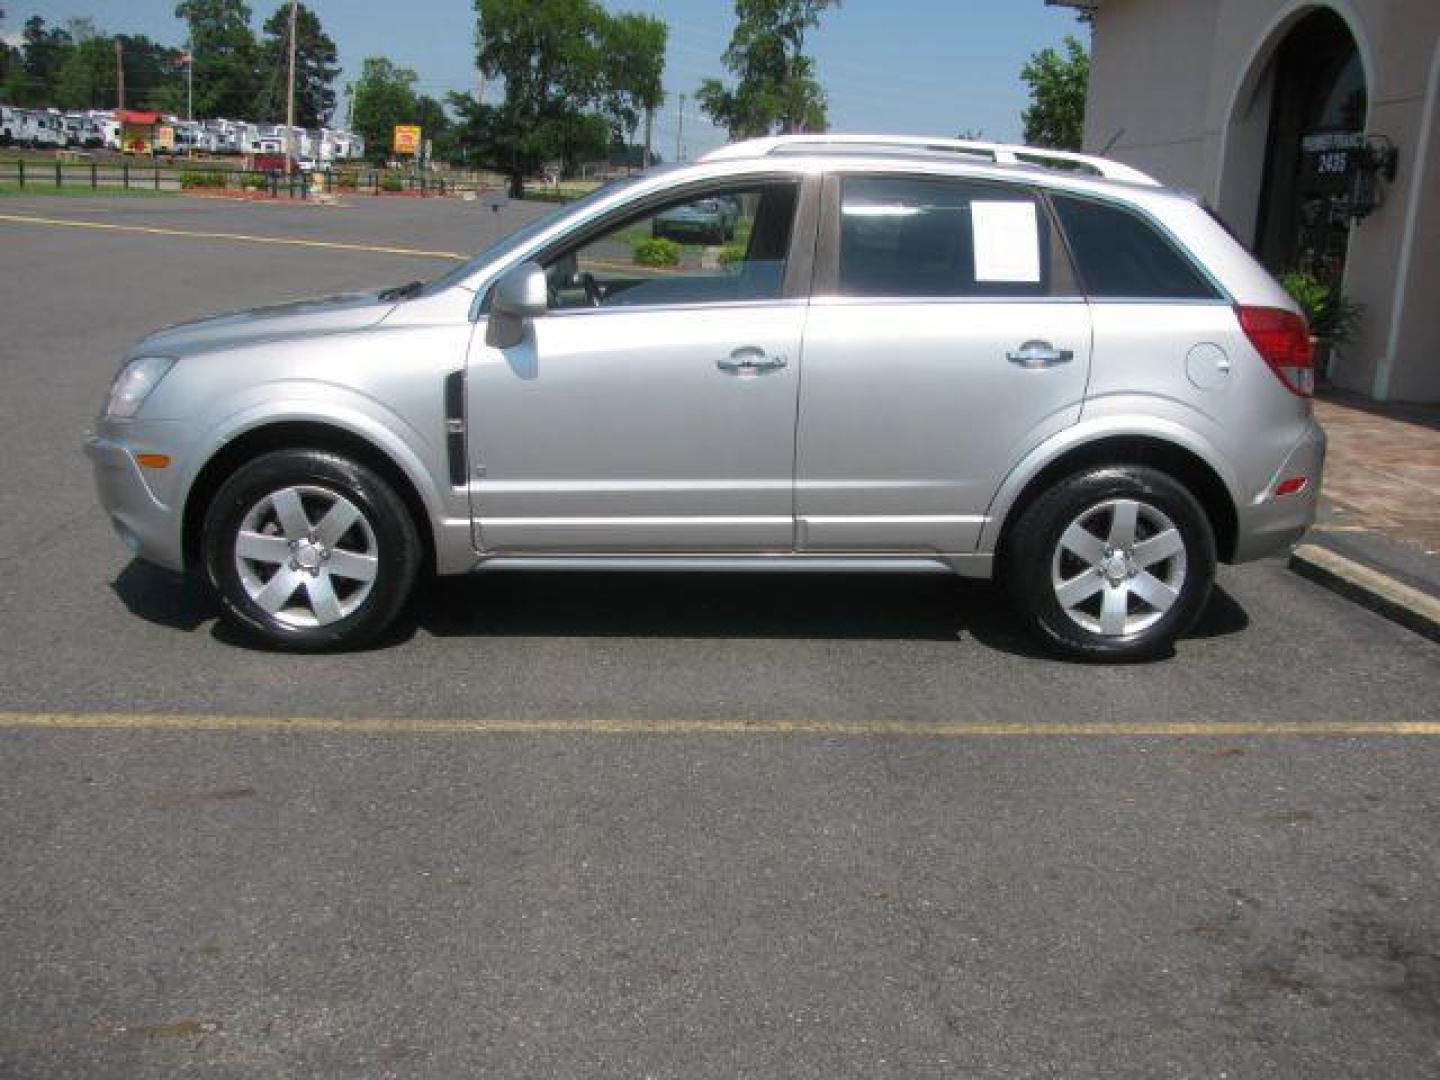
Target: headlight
{"x":134,"y":383}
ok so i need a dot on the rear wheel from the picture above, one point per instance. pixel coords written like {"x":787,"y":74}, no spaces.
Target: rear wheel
{"x":309,"y":550}
{"x":1111,"y":564}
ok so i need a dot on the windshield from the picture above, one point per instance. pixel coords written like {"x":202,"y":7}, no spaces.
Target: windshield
{"x":520,"y":237}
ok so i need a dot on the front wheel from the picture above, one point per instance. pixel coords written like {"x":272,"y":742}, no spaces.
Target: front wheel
{"x":1111,"y":564}
{"x":309,"y":551}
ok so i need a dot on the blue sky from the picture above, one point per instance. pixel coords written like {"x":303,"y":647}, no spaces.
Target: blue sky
{"x":929,"y":67}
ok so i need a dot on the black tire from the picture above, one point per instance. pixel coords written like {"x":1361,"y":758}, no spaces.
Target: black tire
{"x":384,"y":536}
{"x":1035,"y":564}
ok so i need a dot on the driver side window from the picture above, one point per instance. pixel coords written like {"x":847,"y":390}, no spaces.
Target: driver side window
{"x":726,"y":245}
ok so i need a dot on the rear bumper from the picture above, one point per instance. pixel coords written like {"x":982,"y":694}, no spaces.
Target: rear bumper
{"x":148,"y":527}
{"x":1271,"y":524}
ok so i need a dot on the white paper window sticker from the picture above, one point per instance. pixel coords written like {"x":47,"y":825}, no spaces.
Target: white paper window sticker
{"x":1007,"y":241}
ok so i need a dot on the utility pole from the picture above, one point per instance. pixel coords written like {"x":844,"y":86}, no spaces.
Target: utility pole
{"x":290,"y":96}
{"x":119,"y":75}
{"x":680,"y":131}
{"x":649,"y":130}
{"x":190,"y":81}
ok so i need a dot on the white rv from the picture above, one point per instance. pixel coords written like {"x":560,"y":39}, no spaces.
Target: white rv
{"x":41,"y":128}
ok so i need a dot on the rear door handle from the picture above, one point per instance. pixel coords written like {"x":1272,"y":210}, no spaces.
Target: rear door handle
{"x":1039,"y":354}
{"x":749,"y":360}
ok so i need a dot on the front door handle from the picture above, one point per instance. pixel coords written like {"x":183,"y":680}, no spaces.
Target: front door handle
{"x":1039,"y":354}
{"x":749,"y":361}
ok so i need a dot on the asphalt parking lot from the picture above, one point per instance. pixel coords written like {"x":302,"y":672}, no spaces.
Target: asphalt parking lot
{"x":630,"y":826}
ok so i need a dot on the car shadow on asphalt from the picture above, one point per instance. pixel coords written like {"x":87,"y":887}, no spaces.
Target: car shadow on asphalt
{"x":762,"y":605}
{"x":673,"y":605}
{"x":174,"y":601}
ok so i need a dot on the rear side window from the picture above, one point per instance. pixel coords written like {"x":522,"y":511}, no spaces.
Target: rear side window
{"x":1119,"y":255}
{"x":910,"y":237}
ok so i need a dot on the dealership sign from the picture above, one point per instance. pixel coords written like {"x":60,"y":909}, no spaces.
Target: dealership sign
{"x":407,"y":139}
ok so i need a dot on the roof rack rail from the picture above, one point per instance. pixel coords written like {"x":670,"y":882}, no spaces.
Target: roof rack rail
{"x":999,"y":153}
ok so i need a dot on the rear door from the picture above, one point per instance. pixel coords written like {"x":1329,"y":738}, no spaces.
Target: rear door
{"x":946,"y":338}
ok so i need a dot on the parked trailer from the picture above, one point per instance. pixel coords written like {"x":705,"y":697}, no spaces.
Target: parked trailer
{"x":41,"y":128}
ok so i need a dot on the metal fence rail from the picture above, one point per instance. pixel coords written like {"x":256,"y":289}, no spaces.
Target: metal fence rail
{"x":26,"y":173}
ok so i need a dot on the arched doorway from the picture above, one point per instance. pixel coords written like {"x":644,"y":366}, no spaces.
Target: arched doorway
{"x":1317,"y":108}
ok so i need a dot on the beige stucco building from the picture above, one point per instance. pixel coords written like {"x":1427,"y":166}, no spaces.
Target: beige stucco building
{"x":1280,"y":114}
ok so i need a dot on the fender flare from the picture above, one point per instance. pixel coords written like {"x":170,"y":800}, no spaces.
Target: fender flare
{"x":1085,"y":434}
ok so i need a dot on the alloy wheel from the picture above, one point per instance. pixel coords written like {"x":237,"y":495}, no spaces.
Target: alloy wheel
{"x":306,"y":555}
{"x":1118,"y":567}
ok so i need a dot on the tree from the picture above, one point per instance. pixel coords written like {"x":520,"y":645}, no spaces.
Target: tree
{"x":574,"y":74}
{"x":316,"y":67}
{"x":634,"y":48}
{"x":224,"y":51}
{"x":382,"y":97}
{"x":43,"y":52}
{"x":86,"y":79}
{"x":776,"y":89}
{"x":1058,"y":85}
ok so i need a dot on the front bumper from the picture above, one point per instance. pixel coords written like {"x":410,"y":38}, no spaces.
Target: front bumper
{"x":149,"y":528}
{"x":1271,"y":524}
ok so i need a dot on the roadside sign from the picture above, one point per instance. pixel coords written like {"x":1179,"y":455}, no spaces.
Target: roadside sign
{"x":407,"y":139}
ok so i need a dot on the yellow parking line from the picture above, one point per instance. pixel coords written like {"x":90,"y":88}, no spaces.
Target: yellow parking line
{"x":922,"y":729}
{"x":246,"y":238}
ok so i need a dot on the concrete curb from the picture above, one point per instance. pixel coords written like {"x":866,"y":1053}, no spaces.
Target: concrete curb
{"x":1382,"y":594}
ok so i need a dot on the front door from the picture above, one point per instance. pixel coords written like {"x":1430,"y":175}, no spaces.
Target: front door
{"x":653,"y":408}
{"x":946,"y":338}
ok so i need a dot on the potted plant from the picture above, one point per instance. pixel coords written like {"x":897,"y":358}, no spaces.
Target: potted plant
{"x":1333,"y":317}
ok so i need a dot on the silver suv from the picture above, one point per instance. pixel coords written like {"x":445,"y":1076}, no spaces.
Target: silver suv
{"x":920,"y":355}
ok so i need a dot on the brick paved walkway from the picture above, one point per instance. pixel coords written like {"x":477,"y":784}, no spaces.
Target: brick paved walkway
{"x":1383,"y":468}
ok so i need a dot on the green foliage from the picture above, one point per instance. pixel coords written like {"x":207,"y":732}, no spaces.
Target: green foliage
{"x":392,"y":182}
{"x":316,"y":67}
{"x":43,"y":51}
{"x":576,"y":77}
{"x":731,"y":255}
{"x":1058,"y":85}
{"x":86,"y":78}
{"x":776,"y":90}
{"x":227,"y":80}
{"x":74,"y":68}
{"x":383,"y":96}
{"x":203,"y":178}
{"x":657,"y":251}
{"x":1333,"y":316}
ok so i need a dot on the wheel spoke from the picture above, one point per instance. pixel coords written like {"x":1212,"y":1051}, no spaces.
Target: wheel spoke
{"x":1159,"y":547}
{"x":291,"y":513}
{"x":262,"y":548}
{"x":1114,"y":610}
{"x":323,"y":600}
{"x":278,"y":590}
{"x":1083,"y":544}
{"x":1080,"y":588}
{"x":1153,"y":591}
{"x":1122,"y":523}
{"x":336,"y":522}
{"x":353,"y":566}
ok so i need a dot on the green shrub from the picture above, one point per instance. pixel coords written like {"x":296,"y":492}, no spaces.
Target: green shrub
{"x":1332,"y":315}
{"x":657,"y":251}
{"x":203,"y":178}
{"x":731,"y":254}
{"x":347,"y":179}
{"x":391,"y":182}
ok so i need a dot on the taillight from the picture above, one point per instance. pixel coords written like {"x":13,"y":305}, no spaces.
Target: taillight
{"x":1283,"y":339}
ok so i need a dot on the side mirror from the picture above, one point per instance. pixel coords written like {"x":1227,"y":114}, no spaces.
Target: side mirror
{"x":520,"y":295}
